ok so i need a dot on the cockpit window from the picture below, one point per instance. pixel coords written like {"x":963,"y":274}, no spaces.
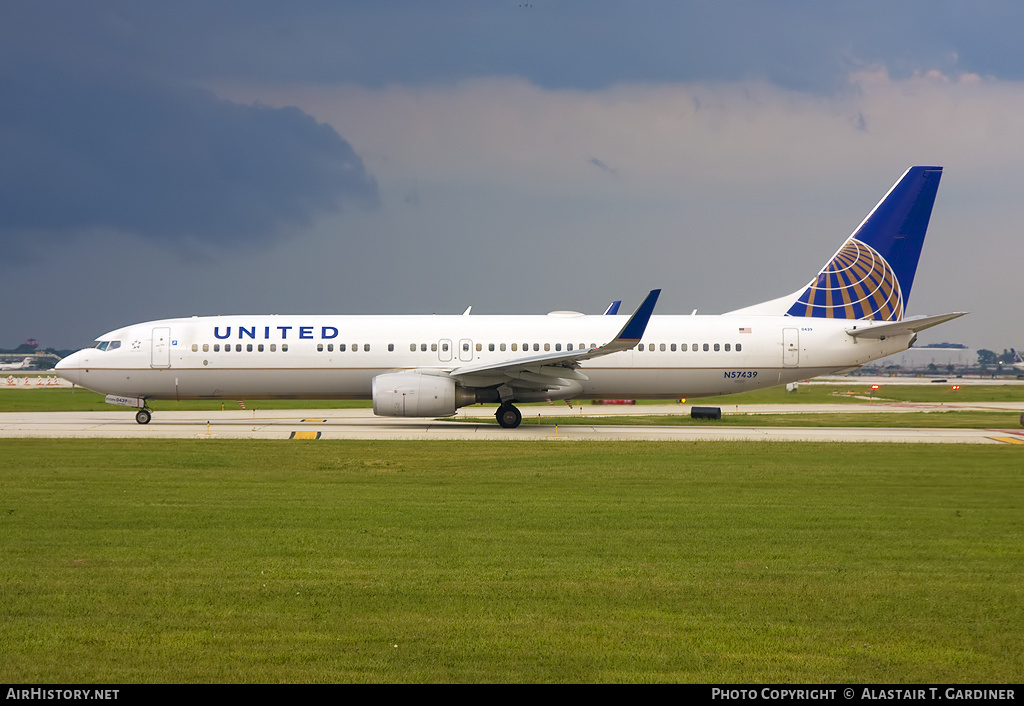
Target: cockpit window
{"x":107,"y":345}
{"x":102,"y":345}
{"x":114,"y":345}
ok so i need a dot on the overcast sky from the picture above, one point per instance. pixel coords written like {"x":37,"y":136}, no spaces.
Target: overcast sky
{"x":190,"y":158}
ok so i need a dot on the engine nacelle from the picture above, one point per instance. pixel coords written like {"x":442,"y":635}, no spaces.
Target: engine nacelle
{"x":417,"y":395}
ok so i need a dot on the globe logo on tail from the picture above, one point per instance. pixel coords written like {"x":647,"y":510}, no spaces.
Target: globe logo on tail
{"x":857,"y":284}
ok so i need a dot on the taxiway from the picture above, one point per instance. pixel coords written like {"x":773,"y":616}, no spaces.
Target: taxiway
{"x":362,"y":424}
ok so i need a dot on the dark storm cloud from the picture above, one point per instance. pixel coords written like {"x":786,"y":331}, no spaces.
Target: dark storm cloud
{"x":115,"y":150}
{"x":589,"y":44}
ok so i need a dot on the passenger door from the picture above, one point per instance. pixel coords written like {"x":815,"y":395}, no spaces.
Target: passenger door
{"x":161,"y":347}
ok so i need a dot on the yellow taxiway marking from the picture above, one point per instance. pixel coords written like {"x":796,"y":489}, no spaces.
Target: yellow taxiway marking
{"x":1008,"y":439}
{"x":321,"y":421}
{"x":305,"y":435}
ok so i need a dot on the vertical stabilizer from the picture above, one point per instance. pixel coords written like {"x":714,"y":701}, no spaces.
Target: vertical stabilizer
{"x":871,"y":275}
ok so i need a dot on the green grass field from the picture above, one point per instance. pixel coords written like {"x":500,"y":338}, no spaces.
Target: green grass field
{"x":856,"y":391}
{"x":336,"y":561}
{"x":64,"y":399}
{"x":903,"y":420}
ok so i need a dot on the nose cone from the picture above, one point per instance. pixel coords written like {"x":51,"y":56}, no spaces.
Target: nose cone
{"x":71,"y":367}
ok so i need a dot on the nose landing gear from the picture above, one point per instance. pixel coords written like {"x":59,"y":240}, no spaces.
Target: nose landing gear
{"x":143,"y":416}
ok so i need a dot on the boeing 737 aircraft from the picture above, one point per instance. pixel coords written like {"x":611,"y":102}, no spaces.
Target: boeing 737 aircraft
{"x":16,"y":366}
{"x":852,"y":312}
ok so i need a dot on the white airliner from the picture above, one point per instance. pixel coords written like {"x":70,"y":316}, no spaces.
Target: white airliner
{"x":852,"y":312}
{"x":1018,"y":361}
{"x":16,"y":366}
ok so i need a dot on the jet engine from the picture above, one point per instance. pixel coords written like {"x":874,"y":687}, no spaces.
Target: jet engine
{"x":413,"y":394}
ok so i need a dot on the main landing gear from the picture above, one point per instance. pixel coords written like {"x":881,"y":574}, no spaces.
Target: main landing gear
{"x":143,"y":416}
{"x":508,"y":416}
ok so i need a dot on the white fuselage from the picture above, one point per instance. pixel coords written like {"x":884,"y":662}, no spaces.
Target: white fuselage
{"x":337,"y":357}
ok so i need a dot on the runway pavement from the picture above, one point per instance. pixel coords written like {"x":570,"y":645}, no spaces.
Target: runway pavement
{"x":362,"y":424}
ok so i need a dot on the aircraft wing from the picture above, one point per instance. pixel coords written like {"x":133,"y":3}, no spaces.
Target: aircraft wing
{"x":554,"y":369}
{"x":896,"y":328}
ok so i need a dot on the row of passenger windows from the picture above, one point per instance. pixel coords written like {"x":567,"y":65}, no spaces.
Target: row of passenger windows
{"x":249,"y":347}
{"x":499,"y":346}
{"x":272,"y":347}
{"x":329,"y":347}
{"x":444,"y":346}
{"x":694,"y":347}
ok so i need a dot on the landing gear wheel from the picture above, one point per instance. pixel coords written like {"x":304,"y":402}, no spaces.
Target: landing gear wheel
{"x":143,"y":416}
{"x":508,"y":416}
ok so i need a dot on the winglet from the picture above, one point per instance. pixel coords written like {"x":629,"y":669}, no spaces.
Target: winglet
{"x":613,"y":308}
{"x":637,"y":324}
{"x":634,"y":329}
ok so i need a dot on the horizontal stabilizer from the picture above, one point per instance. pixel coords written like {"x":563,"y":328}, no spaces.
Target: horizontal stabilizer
{"x":865,"y":329}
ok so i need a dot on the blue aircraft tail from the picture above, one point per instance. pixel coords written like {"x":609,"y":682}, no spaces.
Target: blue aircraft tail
{"x":871,"y":275}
